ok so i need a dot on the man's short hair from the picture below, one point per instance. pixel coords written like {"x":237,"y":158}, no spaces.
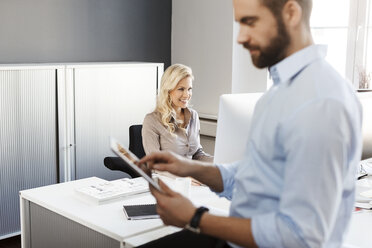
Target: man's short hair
{"x":276,"y":6}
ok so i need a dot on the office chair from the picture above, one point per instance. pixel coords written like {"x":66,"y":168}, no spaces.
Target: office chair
{"x":135,"y":146}
{"x":135,"y":141}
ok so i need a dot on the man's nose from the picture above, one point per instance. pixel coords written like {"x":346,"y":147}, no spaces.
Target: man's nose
{"x":244,"y":35}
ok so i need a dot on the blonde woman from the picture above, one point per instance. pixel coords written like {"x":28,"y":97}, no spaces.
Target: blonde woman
{"x":173,"y":126}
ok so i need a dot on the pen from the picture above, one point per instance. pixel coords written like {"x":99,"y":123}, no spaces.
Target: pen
{"x":359,"y":208}
{"x":362,"y":176}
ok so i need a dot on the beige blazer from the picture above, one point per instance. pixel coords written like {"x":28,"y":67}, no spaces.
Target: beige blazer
{"x":185,"y":142}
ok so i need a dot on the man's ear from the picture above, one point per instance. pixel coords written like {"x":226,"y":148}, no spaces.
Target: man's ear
{"x":292,"y":14}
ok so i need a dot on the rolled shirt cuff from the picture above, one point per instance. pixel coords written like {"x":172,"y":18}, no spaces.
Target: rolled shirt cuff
{"x":228,"y":179}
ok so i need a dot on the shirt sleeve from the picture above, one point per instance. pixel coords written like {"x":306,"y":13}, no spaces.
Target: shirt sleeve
{"x":202,"y":156}
{"x":150,"y":135}
{"x":317,"y":143}
{"x":228,"y":172}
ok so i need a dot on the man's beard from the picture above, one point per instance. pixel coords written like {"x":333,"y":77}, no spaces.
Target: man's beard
{"x":273,"y":53}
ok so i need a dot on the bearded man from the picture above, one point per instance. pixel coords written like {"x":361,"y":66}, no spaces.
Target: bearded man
{"x":295,"y":187}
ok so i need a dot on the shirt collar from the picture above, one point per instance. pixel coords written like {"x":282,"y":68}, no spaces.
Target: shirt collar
{"x":187,"y":113}
{"x":292,"y":65}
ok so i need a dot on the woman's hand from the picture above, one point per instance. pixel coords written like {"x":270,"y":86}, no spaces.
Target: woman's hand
{"x":172,"y":207}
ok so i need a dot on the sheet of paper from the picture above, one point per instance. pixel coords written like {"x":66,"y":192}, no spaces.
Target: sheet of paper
{"x":367,"y":193}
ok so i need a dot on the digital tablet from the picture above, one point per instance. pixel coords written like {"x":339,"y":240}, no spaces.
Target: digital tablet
{"x":140,"y":212}
{"x":130,"y":158}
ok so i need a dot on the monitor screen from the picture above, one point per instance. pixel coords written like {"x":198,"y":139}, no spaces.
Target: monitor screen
{"x":234,"y":118}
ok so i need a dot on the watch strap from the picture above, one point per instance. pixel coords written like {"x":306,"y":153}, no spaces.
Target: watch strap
{"x":195,"y":220}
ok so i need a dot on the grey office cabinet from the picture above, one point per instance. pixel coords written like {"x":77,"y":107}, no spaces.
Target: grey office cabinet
{"x":28,"y":137}
{"x":55,"y":123}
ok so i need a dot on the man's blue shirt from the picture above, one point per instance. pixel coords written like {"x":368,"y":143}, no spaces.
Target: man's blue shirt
{"x":296,"y":181}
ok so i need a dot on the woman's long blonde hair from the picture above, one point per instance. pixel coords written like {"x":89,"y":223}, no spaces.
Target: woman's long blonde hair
{"x":171,"y":77}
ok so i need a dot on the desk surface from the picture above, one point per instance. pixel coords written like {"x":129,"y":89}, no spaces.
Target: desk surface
{"x":359,"y":233}
{"x":108,"y":218}
{"x":360,"y":230}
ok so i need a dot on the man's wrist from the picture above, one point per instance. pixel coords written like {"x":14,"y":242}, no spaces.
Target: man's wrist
{"x":194,"y":223}
{"x":195,"y":169}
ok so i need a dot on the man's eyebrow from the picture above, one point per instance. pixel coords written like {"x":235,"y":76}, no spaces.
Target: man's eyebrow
{"x":246,"y":19}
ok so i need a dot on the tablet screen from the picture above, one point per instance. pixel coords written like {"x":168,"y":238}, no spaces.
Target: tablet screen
{"x":130,"y":158}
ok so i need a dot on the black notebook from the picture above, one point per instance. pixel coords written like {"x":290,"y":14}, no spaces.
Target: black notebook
{"x":140,"y":212}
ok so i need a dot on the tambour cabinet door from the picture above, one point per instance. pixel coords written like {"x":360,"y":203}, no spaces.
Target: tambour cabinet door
{"x":107,"y":101}
{"x":28,"y":143}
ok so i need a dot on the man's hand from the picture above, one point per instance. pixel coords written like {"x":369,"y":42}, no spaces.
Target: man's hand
{"x":176,"y":210}
{"x":167,"y":161}
{"x":205,"y":173}
{"x":172,"y":207}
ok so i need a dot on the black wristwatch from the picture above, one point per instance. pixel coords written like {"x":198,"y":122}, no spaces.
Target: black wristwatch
{"x":195,"y":220}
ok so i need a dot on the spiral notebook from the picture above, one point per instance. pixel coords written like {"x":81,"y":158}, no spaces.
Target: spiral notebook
{"x":140,"y":212}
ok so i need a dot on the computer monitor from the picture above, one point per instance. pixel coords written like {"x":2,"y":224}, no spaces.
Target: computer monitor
{"x":234,"y":118}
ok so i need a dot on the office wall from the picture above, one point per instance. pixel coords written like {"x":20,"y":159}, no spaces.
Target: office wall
{"x":204,"y":37}
{"x":85,"y":30}
{"x":208,"y":143}
{"x":246,"y":78}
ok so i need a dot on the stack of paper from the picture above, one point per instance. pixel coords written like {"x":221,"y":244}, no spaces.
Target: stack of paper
{"x":110,"y":190}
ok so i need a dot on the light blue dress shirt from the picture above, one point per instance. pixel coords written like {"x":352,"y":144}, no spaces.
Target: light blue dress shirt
{"x":297,"y":180}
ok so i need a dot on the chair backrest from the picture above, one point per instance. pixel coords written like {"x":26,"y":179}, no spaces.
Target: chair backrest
{"x":135,"y":141}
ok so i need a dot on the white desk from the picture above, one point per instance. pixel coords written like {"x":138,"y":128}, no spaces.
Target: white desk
{"x":360,"y":229}
{"x":55,"y":216}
